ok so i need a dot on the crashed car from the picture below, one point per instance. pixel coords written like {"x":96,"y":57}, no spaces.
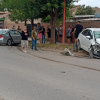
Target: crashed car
{"x":89,"y":40}
{"x":10,"y":36}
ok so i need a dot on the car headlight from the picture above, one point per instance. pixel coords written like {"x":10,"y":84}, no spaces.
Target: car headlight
{"x":98,"y":45}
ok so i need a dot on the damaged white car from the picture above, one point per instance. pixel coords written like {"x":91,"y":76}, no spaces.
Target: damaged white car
{"x":89,"y":40}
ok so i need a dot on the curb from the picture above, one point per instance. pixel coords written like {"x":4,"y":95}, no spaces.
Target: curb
{"x":74,"y":55}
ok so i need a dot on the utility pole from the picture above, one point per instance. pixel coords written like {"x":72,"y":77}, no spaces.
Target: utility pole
{"x":63,"y":39}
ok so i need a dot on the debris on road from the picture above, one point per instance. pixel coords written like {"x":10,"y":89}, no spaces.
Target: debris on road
{"x":67,"y":52}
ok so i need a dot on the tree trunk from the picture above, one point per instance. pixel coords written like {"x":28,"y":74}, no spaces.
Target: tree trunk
{"x":25,"y":22}
{"x":52,"y":34}
{"x":53,"y":25}
{"x":32,"y":23}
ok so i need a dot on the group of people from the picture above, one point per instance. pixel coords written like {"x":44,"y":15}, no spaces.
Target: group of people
{"x":37,"y":33}
{"x":40,"y":33}
{"x":71,"y":32}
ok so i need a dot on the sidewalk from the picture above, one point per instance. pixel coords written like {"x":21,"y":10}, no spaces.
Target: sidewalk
{"x":80,"y":53}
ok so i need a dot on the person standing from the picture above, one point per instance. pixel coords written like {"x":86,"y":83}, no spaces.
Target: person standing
{"x":24,"y":41}
{"x":40,"y":32}
{"x":13,"y":27}
{"x":56,"y":31}
{"x":43,"y":35}
{"x":18,"y":28}
{"x":61,"y":32}
{"x":72,"y":35}
{"x":68,"y":34}
{"x":77,"y":30}
{"x":34,"y":38}
{"x":49,"y":33}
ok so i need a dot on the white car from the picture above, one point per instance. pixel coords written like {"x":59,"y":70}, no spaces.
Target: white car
{"x":89,"y":40}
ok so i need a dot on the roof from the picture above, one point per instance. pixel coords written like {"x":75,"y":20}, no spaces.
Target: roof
{"x":97,"y":16}
{"x":94,"y":29}
{"x":90,"y":19}
{"x":5,"y":14}
{"x":80,"y":16}
{"x":4,"y":29}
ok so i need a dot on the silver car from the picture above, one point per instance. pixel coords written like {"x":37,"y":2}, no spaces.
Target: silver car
{"x":10,"y":36}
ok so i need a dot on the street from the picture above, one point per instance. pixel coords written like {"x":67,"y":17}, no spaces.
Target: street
{"x":47,"y":76}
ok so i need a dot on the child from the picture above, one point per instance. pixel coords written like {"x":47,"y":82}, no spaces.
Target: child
{"x":34,"y":38}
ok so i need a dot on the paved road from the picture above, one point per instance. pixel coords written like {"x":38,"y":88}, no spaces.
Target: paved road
{"x":47,"y":76}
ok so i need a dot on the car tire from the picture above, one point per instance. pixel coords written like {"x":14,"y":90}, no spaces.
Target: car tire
{"x":91,"y":52}
{"x":78,"y":45}
{"x":9,"y":42}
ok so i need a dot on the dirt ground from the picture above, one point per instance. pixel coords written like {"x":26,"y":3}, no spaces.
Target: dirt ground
{"x":60,"y":48}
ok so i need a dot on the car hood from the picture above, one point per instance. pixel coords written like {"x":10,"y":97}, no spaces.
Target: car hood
{"x":98,"y":41}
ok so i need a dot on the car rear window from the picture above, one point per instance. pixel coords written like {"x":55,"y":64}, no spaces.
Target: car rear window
{"x":3,"y":31}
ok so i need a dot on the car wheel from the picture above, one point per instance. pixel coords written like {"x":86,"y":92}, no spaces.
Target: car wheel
{"x":91,"y":52}
{"x":78,"y":45}
{"x":9,"y":42}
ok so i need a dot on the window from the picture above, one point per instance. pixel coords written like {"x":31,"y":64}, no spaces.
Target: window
{"x":3,"y":31}
{"x":17,"y":33}
{"x":88,"y":33}
{"x":12,"y":32}
{"x":85,"y":32}
{"x":97,"y":34}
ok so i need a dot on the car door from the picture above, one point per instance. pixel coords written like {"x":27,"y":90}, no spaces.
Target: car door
{"x":87,"y":42}
{"x":18,"y":36}
{"x":83,"y":39}
{"x":12,"y":35}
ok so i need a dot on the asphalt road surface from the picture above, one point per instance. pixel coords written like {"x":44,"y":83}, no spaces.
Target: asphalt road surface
{"x":47,"y":76}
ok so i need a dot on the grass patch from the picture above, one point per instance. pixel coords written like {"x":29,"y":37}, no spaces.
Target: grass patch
{"x":53,"y":46}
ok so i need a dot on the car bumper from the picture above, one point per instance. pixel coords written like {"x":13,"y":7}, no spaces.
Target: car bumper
{"x":1,"y":41}
{"x":97,"y":51}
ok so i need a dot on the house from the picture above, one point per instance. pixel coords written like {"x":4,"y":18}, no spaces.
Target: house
{"x":6,"y":22}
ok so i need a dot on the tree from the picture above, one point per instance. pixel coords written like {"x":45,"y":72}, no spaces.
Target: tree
{"x":54,"y":9}
{"x":85,"y":10}
{"x":33,"y":9}
{"x":21,"y":10}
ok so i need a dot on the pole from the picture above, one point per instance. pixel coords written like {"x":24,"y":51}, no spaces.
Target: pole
{"x":63,"y":39}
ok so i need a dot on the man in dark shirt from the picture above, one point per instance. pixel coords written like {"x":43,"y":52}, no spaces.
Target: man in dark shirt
{"x":56,"y":31}
{"x":77,"y":30}
{"x":49,"y":33}
{"x":43,"y":35}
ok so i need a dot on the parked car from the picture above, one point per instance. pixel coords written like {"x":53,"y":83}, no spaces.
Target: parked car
{"x":89,"y":40}
{"x":9,"y":36}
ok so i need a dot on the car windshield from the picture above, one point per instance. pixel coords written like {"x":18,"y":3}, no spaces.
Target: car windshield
{"x":2,"y":31}
{"x":97,"y":34}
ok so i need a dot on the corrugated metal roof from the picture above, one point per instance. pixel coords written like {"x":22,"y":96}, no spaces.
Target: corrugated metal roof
{"x":97,"y":16}
{"x":90,"y":19}
{"x":80,"y":16}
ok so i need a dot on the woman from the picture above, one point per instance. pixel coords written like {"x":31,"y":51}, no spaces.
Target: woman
{"x":72,"y":34}
{"x":40,"y":30}
{"x":24,"y":42}
{"x":68,"y":34}
{"x":61,"y":32}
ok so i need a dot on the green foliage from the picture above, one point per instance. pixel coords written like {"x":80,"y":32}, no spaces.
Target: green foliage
{"x":60,"y":13}
{"x":85,"y":10}
{"x":48,"y":10}
{"x":20,"y":10}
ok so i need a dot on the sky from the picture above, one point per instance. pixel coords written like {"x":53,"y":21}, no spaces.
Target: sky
{"x":92,"y":3}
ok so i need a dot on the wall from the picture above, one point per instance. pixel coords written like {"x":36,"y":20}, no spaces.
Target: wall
{"x":93,"y":24}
